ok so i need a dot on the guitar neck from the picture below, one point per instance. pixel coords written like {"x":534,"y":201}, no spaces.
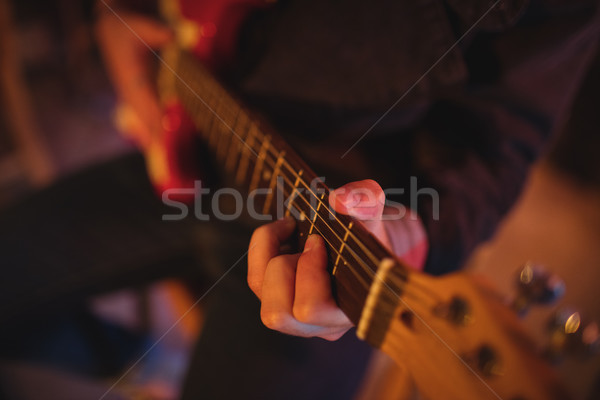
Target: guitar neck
{"x":266,"y":167}
{"x":445,"y":330}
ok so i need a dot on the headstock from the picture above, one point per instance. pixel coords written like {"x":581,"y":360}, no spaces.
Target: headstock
{"x":461,"y":340}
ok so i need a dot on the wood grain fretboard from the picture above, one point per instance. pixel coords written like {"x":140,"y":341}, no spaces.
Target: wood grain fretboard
{"x":256,"y":158}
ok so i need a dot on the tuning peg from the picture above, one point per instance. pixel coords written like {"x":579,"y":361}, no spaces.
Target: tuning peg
{"x":457,"y":310}
{"x":535,"y":285}
{"x":569,"y":334}
{"x":486,"y":360}
{"x":590,"y":338}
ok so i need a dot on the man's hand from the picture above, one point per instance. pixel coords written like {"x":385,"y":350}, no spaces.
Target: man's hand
{"x":125,"y":40}
{"x":295,"y":289}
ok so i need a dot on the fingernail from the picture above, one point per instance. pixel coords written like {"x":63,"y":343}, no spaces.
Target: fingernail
{"x":350,"y":199}
{"x":311,"y":241}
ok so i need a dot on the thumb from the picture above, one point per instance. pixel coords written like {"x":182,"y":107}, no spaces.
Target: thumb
{"x":365,"y":201}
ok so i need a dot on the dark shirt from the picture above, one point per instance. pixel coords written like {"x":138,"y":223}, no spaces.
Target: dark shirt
{"x":466,"y":119}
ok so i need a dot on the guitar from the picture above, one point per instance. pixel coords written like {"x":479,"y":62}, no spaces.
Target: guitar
{"x":455,"y":337}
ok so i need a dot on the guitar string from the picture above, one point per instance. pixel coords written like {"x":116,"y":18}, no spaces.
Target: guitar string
{"x":208,"y":78}
{"x":173,"y":72}
{"x":215,"y":145}
{"x":394,"y":343}
{"x":356,"y":256}
{"x":209,"y":134}
{"x":361,"y":244}
{"x":401,"y":284}
{"x":324,"y":221}
{"x":257,"y":135}
{"x":365,"y":249}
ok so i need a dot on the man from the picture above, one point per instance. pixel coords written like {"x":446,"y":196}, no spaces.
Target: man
{"x":467,"y":120}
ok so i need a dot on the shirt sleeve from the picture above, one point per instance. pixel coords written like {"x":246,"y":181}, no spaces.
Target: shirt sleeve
{"x":475,"y":146}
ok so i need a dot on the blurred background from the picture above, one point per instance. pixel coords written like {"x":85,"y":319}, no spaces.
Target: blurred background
{"x":56,"y":99}
{"x":56,"y":106}
{"x":56,"y":113}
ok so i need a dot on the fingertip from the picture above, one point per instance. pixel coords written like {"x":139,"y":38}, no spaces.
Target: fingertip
{"x":312,"y":241}
{"x":361,"y":199}
{"x":315,"y":250}
{"x":342,"y":199}
{"x":277,"y":321}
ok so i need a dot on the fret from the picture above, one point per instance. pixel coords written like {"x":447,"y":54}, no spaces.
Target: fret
{"x":294,"y":193}
{"x":312,"y":224}
{"x":188,"y":88}
{"x":228,"y":111}
{"x":196,"y":115}
{"x":276,"y":169}
{"x":228,"y":136}
{"x":205,"y":81}
{"x":215,"y":125}
{"x":247,"y":149}
{"x":233,"y":108}
{"x":208,"y":117}
{"x":202,"y":118}
{"x":203,"y":114}
{"x":226,"y":124}
{"x":194,"y":107}
{"x":223,"y":144}
{"x":258,"y":167}
{"x":215,"y":112}
{"x":234,"y":154}
{"x":337,"y":259}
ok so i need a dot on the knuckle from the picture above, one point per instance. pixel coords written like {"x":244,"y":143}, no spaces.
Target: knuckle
{"x":332,"y":337}
{"x":275,"y":260}
{"x":314,"y":261}
{"x":287,"y":261}
{"x":306,"y":313}
{"x":254,"y":285}
{"x":260,"y":237}
{"x":256,"y":237}
{"x":309,"y":259}
{"x":273,"y":319}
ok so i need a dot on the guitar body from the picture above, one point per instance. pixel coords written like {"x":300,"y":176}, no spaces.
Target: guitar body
{"x":209,"y":30}
{"x":448,"y":330}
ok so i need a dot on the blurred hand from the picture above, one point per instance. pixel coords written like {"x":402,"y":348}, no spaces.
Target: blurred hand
{"x":295,"y":289}
{"x":124,"y":41}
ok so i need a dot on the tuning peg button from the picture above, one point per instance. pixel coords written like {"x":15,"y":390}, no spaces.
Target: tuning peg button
{"x":590,"y":338}
{"x":486,"y":360}
{"x":570,"y":335}
{"x":457,"y":310}
{"x":535,"y":285}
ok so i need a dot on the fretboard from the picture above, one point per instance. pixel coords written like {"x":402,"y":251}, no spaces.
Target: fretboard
{"x":255,"y":157}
